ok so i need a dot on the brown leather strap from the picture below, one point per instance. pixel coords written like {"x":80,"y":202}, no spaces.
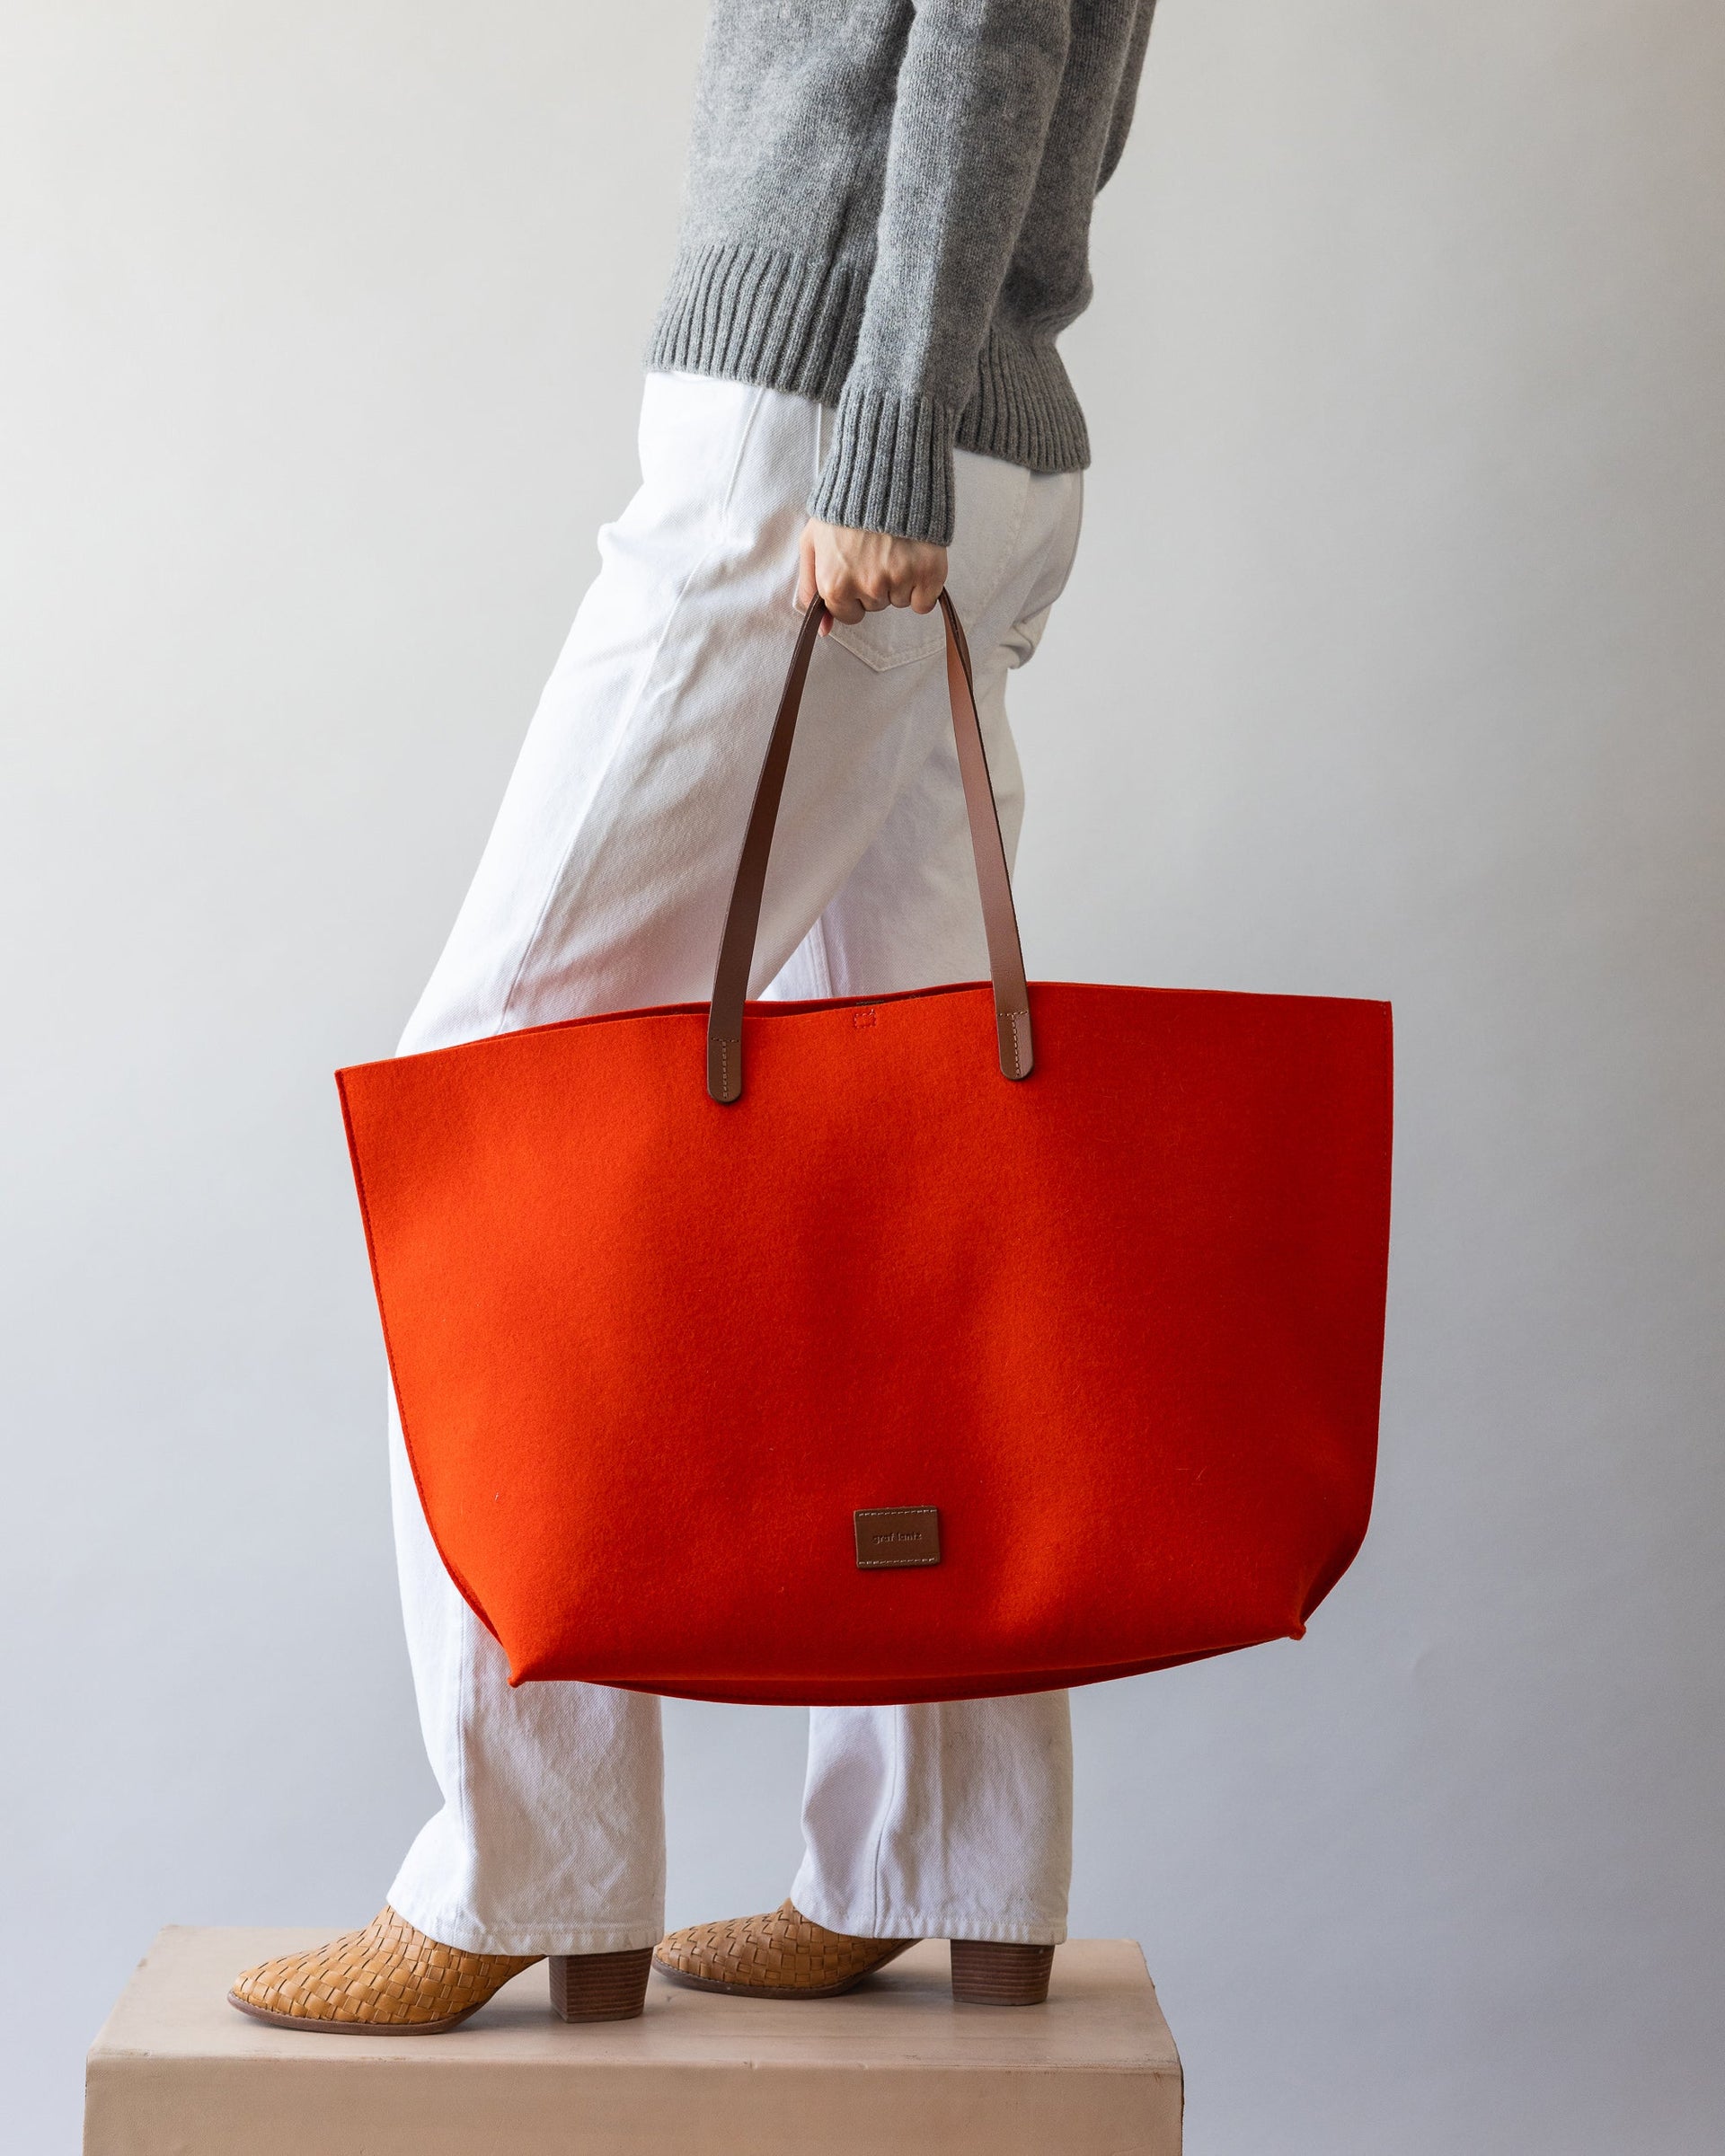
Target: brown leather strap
{"x":1000,"y":923}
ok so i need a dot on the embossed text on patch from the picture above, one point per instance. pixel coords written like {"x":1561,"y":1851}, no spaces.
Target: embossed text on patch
{"x":898,"y":1534}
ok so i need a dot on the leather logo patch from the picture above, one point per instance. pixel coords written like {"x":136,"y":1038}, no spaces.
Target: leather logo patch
{"x":903,"y":1535}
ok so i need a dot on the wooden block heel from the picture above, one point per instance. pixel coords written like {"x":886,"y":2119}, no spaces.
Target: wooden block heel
{"x":600,"y":1987}
{"x":993,"y":1972}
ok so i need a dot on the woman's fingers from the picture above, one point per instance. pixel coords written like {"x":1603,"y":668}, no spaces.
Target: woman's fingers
{"x":859,"y":573}
{"x":848,"y":598}
{"x":925,"y":594}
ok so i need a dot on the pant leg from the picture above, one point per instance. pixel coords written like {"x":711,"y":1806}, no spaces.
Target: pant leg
{"x":952,"y":1821}
{"x":601,"y":887}
{"x":551,"y":1838}
{"x":948,"y":1821}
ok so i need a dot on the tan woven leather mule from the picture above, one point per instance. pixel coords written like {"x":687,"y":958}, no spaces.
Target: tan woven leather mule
{"x":788,"y":1956}
{"x":390,"y":1980}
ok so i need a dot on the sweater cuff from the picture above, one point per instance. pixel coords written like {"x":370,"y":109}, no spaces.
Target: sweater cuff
{"x":889,"y":468}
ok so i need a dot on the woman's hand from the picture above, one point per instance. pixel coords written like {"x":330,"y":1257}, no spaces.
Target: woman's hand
{"x":860,"y":572}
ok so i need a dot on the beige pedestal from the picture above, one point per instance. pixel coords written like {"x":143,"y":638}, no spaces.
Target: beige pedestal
{"x":893,"y":2069}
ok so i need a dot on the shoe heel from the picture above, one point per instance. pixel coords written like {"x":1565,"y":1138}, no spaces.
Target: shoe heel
{"x":994,"y":1971}
{"x":600,"y":1987}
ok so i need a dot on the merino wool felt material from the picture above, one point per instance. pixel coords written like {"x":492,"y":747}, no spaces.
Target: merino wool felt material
{"x":889,"y":208}
{"x":1121,"y":1322}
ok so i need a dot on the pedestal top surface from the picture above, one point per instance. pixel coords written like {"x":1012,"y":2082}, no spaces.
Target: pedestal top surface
{"x":1102,"y":2015}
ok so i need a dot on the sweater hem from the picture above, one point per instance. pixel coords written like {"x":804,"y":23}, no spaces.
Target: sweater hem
{"x":1024,"y":410}
{"x":789,"y":322}
{"x":757,"y":315}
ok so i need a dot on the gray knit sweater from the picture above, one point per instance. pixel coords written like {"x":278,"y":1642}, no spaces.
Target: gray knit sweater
{"x":889,"y":208}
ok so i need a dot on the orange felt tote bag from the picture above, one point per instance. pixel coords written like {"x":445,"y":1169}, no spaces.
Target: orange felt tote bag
{"x":972,"y":1341}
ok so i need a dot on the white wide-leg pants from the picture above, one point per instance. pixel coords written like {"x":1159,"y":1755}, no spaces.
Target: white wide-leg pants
{"x":603,"y":887}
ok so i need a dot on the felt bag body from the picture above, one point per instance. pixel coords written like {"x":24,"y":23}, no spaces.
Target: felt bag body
{"x":978,"y":1340}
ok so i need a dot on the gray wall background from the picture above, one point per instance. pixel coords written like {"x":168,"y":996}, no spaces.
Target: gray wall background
{"x":1391,"y":667}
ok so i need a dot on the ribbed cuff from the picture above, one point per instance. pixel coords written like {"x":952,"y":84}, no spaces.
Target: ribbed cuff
{"x":889,"y":468}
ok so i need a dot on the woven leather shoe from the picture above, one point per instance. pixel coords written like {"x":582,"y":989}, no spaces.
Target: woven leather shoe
{"x":390,"y":1980}
{"x":788,"y":1956}
{"x":783,"y":1955}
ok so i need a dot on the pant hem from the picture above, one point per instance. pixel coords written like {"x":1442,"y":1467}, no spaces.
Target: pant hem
{"x":459,"y":1928}
{"x":902,"y":1923}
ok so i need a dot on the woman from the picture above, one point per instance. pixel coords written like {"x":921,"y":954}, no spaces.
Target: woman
{"x":853,"y":392}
